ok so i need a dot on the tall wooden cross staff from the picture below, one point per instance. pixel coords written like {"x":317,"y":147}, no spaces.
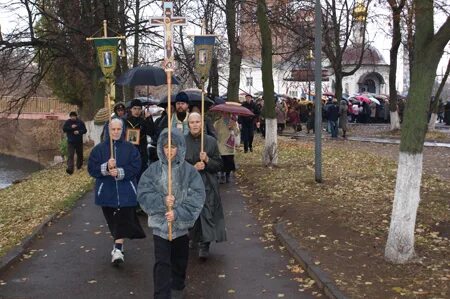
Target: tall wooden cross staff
{"x":168,"y":21}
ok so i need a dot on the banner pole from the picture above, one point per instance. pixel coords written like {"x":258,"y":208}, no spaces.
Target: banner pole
{"x":202,"y":138}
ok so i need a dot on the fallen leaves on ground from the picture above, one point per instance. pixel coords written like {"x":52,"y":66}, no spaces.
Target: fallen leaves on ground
{"x":29,"y":203}
{"x":355,"y":200}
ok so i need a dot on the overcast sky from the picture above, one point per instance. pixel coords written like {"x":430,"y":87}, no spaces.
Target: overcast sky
{"x":375,"y":30}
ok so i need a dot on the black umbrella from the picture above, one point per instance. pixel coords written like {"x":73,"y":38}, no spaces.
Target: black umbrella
{"x":144,"y":100}
{"x":195,"y":97}
{"x":163,"y":101}
{"x":220,"y":100}
{"x":145,"y":75}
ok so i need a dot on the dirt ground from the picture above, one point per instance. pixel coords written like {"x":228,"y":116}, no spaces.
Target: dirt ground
{"x":343,"y":222}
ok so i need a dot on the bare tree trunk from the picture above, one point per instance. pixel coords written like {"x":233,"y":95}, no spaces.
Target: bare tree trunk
{"x":234,"y":77}
{"x":270,"y":153}
{"x":213,"y":84}
{"x":396,"y":41}
{"x":435,"y":106}
{"x":428,"y":49}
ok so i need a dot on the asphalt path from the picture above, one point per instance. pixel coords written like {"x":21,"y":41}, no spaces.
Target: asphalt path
{"x":72,"y":260}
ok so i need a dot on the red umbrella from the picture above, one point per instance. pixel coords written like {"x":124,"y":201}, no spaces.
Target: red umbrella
{"x":328,"y":94}
{"x":363,"y":99}
{"x":233,"y":108}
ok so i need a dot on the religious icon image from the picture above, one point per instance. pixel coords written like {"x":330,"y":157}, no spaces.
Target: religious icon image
{"x":107,"y":59}
{"x":133,"y":136}
{"x":202,"y":56}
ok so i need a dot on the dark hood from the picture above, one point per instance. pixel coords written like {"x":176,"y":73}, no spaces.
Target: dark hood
{"x":177,"y":139}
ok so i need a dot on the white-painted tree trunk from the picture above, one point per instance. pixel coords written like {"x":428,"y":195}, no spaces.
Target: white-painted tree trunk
{"x":93,"y":132}
{"x":432,"y":123}
{"x":395,"y":120}
{"x":400,"y":244}
{"x":270,"y":152}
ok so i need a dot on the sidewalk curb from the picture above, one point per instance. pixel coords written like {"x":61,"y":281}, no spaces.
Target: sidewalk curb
{"x":321,"y":278}
{"x":16,"y":252}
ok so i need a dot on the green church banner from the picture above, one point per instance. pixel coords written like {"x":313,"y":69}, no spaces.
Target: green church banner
{"x":204,"y":47}
{"x":107,"y":50}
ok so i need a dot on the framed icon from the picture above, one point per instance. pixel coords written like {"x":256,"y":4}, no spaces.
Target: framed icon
{"x":107,"y":59}
{"x":202,"y":57}
{"x":133,"y":136}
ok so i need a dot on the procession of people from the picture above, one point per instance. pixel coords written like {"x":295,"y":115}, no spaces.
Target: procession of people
{"x":127,"y":178}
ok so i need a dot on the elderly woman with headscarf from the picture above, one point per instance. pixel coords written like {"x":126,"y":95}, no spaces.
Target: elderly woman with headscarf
{"x":115,"y":187}
{"x":210,"y":227}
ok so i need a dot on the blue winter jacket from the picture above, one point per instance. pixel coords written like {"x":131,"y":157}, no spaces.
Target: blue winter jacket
{"x":187,"y":188}
{"x":110,"y":191}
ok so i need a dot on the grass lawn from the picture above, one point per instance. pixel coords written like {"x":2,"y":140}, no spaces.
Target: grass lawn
{"x":343,"y":222}
{"x":27,"y":204}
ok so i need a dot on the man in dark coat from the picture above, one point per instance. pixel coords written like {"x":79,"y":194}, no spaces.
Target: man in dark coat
{"x":143,"y":124}
{"x":74,"y":128}
{"x":333,"y":116}
{"x":210,"y":226}
{"x":248,"y":123}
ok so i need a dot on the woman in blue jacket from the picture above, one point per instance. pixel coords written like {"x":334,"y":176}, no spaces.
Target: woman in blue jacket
{"x":187,"y":199}
{"x":115,"y":187}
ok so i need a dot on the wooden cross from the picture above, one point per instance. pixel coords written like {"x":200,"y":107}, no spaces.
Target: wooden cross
{"x":168,"y":21}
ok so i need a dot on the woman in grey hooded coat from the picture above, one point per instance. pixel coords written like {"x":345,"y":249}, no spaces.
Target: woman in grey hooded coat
{"x":187,"y":200}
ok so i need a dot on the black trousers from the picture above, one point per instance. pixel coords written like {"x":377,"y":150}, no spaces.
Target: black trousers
{"x":171,"y":260}
{"x":247,"y":133}
{"x":73,"y":148}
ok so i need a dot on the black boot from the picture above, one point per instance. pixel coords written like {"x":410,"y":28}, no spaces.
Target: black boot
{"x":227,"y":177}
{"x":203,"y":251}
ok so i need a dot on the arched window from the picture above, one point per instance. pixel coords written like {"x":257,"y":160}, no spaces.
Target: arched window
{"x":370,"y":86}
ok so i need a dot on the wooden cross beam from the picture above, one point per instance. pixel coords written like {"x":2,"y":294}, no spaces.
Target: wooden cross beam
{"x":168,"y":21}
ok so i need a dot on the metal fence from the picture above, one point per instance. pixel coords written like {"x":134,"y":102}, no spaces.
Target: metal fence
{"x":35,"y":105}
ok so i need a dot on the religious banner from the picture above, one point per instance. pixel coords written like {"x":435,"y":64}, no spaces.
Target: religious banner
{"x":107,"y":49}
{"x":204,"y":47}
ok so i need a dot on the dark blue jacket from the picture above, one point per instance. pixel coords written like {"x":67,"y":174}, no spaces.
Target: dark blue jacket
{"x":333,"y":112}
{"x":81,"y":128}
{"x":110,"y":191}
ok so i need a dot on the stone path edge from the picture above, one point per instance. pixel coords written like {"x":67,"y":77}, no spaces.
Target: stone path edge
{"x":321,"y":278}
{"x":16,"y":252}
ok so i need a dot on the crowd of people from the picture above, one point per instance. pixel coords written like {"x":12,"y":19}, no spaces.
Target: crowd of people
{"x":130,"y":167}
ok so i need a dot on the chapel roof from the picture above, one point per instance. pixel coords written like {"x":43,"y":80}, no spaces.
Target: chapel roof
{"x":371,"y":56}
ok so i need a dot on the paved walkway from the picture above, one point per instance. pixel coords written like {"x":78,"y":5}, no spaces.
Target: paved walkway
{"x":72,"y":260}
{"x":365,"y":139}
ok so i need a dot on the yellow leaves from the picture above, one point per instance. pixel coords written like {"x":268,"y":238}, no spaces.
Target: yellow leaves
{"x":400,"y":290}
{"x":296,"y":269}
{"x":27,"y":204}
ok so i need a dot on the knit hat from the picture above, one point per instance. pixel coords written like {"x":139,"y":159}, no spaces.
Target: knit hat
{"x":101,"y":116}
{"x":119,"y":105}
{"x":135,"y":102}
{"x":182,"y":97}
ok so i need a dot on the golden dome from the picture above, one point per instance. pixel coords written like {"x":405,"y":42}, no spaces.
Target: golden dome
{"x":360,"y":11}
